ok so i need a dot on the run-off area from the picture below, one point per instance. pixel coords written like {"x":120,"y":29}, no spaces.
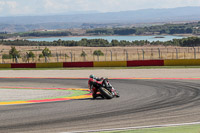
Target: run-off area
{"x":27,"y":94}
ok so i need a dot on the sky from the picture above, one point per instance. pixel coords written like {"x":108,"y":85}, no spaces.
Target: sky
{"x":44,"y":7}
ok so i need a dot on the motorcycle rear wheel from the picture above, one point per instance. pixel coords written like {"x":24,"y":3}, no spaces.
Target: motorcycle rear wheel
{"x":94,"y":96}
{"x":106,"y":93}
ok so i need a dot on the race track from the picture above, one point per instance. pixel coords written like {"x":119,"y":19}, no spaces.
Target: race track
{"x":142,"y":102}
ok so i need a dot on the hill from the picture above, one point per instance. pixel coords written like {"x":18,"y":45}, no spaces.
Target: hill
{"x":25,"y":23}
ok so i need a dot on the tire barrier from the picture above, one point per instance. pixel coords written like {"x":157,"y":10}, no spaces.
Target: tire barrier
{"x":182,"y":62}
{"x":78,"y":64}
{"x":179,"y":62}
{"x":110,"y":64}
{"x":5,"y":65}
{"x":23,"y":65}
{"x":49,"y":65}
{"x":145,"y":63}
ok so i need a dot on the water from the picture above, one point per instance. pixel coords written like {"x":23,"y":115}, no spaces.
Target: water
{"x":110,"y":38}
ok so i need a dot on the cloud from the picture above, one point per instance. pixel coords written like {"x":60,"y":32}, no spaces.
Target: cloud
{"x":7,"y":7}
{"x":12,"y":4}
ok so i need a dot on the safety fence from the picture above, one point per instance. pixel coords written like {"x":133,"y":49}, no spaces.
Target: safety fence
{"x":181,"y":62}
{"x":63,"y":54}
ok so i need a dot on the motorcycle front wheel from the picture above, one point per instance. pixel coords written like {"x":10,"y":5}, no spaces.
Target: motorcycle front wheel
{"x":117,"y":94}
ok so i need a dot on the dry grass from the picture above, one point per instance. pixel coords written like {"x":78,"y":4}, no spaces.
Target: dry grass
{"x":118,"y":53}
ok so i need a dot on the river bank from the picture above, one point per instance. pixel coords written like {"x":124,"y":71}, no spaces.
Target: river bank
{"x":99,"y":36}
{"x":129,"y":38}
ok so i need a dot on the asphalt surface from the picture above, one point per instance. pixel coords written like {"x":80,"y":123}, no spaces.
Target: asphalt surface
{"x":142,"y":103}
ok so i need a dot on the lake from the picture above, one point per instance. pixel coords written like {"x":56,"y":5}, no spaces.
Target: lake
{"x":110,"y":38}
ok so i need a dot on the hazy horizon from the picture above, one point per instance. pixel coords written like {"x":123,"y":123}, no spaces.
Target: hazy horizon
{"x":54,"y":7}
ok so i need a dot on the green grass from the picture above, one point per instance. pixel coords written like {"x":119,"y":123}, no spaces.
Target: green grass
{"x":97,"y":68}
{"x":178,"y":129}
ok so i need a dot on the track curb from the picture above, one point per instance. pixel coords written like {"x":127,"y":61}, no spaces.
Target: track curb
{"x":44,"y":100}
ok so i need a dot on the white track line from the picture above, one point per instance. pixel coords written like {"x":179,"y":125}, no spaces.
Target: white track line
{"x":141,"y":127}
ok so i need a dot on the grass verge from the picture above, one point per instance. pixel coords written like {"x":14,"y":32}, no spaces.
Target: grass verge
{"x":178,"y":129}
{"x":97,"y":68}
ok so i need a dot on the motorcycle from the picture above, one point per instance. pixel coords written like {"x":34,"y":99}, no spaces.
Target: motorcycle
{"x":103,"y":88}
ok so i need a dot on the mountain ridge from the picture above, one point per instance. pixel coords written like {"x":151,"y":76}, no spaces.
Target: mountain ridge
{"x":167,"y":15}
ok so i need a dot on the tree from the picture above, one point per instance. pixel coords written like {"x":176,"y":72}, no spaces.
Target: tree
{"x":46,"y":52}
{"x":30,"y":55}
{"x":6,"y":56}
{"x":66,"y":56}
{"x":115,"y":43}
{"x":189,"y":30}
{"x":98,"y":53}
{"x":83,"y":54}
{"x":14,"y":53}
{"x":41,"y":56}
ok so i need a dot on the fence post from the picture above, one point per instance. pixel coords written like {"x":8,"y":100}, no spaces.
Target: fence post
{"x":45,"y":59}
{"x":16,"y":59}
{"x":27,"y":56}
{"x":184,"y":55}
{"x":111,"y":55}
{"x":158,"y":53}
{"x":106,"y":55}
{"x":176,"y":53}
{"x":65,"y":58}
{"x":71,"y":56}
{"x":126,"y":55}
{"x":98,"y":57}
{"x":195,"y":56}
{"x":143,"y":53}
{"x":36,"y":56}
{"x":138,"y":55}
{"x":57,"y":57}
{"x":33,"y":59}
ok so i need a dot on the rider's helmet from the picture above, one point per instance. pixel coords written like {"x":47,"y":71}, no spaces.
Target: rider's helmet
{"x":91,"y":76}
{"x":102,"y":78}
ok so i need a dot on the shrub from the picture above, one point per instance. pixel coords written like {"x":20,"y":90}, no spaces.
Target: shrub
{"x":98,"y":53}
{"x":6,"y":56}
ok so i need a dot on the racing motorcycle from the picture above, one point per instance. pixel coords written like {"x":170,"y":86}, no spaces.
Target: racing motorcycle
{"x":103,"y":88}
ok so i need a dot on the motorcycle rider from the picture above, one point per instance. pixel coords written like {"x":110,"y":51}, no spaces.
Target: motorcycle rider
{"x":93,"y":81}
